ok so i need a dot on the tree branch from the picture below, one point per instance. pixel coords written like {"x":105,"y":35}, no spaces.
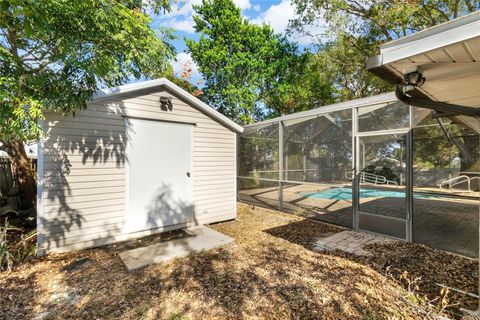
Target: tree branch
{"x":469,"y":5}
{"x":12,"y":40}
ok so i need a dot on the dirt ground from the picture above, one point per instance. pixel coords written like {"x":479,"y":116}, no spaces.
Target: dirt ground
{"x":269,"y":272}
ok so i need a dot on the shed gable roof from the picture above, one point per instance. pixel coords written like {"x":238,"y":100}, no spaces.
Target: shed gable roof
{"x":165,"y":83}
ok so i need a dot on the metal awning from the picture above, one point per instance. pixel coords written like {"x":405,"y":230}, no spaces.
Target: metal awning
{"x":448,"y":57}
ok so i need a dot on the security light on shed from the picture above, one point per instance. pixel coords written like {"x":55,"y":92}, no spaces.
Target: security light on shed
{"x":166,"y":103}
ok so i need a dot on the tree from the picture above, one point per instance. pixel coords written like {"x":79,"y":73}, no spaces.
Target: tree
{"x":380,"y":20}
{"x":358,"y":27}
{"x":304,"y":86}
{"x":54,"y":54}
{"x":342,"y":61}
{"x":247,"y":68}
{"x":437,"y":144}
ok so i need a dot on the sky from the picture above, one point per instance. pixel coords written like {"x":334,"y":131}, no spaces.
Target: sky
{"x":276,"y":13}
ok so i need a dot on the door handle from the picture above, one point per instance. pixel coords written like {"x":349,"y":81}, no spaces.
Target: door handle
{"x":188,"y":174}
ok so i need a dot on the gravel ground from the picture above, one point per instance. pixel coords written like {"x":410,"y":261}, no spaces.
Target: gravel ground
{"x":269,"y":272}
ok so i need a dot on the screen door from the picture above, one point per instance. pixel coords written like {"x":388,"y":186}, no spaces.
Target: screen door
{"x":382,"y":183}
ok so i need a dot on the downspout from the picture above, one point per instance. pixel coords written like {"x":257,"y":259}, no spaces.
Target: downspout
{"x":443,"y":107}
{"x":451,"y":109}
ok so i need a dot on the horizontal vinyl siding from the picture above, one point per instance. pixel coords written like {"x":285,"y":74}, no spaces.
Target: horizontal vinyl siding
{"x":84,"y":196}
{"x":51,"y":180}
{"x":84,"y":176}
{"x":88,"y":213}
{"x":87,"y":185}
{"x":76,"y":192}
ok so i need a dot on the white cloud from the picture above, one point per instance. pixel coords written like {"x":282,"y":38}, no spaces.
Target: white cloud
{"x":185,"y":59}
{"x":256,"y":7}
{"x":183,"y":8}
{"x":243,"y":4}
{"x":185,"y":25}
{"x":181,"y":16}
{"x":278,"y":17}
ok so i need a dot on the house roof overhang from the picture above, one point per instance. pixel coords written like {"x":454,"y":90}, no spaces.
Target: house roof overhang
{"x":448,"y":57}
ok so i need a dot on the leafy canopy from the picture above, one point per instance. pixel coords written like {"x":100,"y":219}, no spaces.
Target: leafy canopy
{"x":249,"y":70}
{"x":342,"y":62}
{"x":379,"y":20}
{"x":355,"y":28}
{"x":54,"y":54}
{"x":304,"y":86}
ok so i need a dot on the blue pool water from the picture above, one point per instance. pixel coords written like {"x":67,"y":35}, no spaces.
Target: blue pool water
{"x":346,"y":194}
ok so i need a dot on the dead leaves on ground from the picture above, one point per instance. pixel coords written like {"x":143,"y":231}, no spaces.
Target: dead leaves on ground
{"x":269,"y":272}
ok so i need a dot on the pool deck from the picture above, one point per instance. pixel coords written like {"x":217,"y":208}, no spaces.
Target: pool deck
{"x":445,"y":223}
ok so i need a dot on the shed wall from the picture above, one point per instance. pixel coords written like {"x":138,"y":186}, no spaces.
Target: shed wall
{"x":84,"y":170}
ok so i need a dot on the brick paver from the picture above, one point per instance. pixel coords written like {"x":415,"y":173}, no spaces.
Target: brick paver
{"x":349,"y":241}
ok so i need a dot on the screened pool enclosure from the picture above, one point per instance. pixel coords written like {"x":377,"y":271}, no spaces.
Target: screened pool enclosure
{"x":371,"y":164}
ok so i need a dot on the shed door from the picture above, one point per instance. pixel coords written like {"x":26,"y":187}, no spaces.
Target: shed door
{"x":159,"y":184}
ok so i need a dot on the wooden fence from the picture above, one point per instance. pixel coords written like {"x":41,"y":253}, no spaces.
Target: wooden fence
{"x":8,"y":197}
{"x":7,"y":179}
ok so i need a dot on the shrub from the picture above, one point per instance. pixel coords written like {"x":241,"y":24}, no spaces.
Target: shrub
{"x":15,"y":246}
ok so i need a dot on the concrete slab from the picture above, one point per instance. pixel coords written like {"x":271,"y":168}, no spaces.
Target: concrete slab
{"x":201,"y":239}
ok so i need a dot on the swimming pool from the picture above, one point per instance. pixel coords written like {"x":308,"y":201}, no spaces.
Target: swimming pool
{"x":346,"y":194}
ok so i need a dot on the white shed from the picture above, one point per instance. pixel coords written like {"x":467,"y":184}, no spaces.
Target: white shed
{"x":141,"y":159}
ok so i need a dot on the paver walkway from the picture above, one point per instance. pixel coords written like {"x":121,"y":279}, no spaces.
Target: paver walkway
{"x":349,"y":241}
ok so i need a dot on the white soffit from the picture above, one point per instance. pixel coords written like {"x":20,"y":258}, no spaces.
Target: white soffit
{"x":448,"y":55}
{"x":455,"y":31}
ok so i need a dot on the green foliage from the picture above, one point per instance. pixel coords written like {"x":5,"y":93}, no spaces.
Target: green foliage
{"x":342,"y":61}
{"x":380,"y":20}
{"x":305,"y":86}
{"x":249,"y":70}
{"x":54,"y":54}
{"x":383,"y":171}
{"x":15,"y":250}
{"x":456,"y":147}
{"x":184,"y":84}
{"x":355,"y":28}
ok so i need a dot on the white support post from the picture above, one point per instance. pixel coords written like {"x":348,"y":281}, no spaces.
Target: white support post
{"x":280,"y":165}
{"x":236,"y":171}
{"x":304,"y":155}
{"x":356,"y":172}
{"x":409,"y":186}
{"x":40,"y":186}
{"x":409,"y":181}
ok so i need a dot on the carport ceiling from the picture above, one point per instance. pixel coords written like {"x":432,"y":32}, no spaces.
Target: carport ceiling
{"x":447,"y":55}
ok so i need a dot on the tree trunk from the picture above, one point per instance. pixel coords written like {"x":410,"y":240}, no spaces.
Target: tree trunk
{"x":27,"y":186}
{"x":470,"y":158}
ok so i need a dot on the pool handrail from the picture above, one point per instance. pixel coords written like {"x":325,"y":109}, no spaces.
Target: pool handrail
{"x":367,"y":177}
{"x":456,"y":181}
